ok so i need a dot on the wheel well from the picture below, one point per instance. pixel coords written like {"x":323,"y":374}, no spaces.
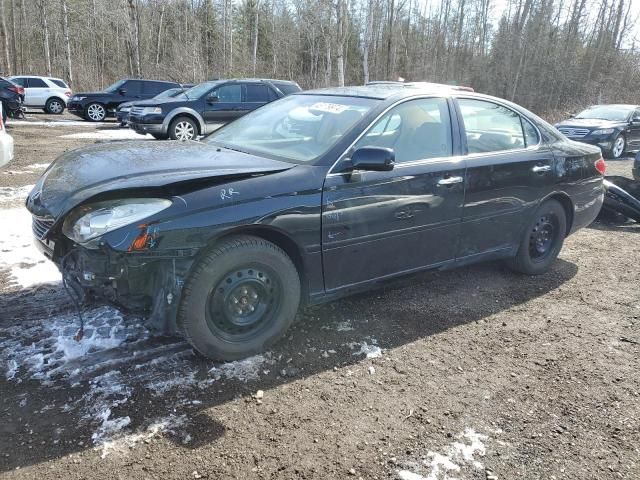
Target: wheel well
{"x":53,"y":98}
{"x":189,"y":116}
{"x":567,"y":204}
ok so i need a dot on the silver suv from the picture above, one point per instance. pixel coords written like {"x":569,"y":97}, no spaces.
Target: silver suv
{"x":49,"y":93}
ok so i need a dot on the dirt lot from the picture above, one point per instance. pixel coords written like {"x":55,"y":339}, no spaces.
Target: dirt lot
{"x":477,"y":373}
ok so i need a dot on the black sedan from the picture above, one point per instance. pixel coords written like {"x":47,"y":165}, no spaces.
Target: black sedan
{"x":312,"y":197}
{"x":614,"y":128}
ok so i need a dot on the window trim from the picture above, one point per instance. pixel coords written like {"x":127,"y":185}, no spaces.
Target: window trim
{"x":463,"y":135}
{"x":453,"y":119}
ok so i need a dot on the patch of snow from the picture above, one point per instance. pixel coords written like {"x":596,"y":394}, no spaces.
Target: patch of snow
{"x":244,"y":370}
{"x":12,"y":369}
{"x":370,"y":351}
{"x":10,"y":195}
{"x":120,"y":134}
{"x":456,"y":457}
{"x":56,"y":123}
{"x":27,"y":265}
{"x":124,"y":443}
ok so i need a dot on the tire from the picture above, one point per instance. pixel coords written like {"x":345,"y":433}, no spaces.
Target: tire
{"x":54,"y":106}
{"x":618,"y":147}
{"x":160,"y":136}
{"x":542,"y":240}
{"x":240,"y":298}
{"x":4,"y":113}
{"x":183,"y":128}
{"x":95,"y":112}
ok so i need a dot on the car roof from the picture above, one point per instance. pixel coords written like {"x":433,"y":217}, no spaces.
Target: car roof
{"x":384,"y":91}
{"x":618,"y":105}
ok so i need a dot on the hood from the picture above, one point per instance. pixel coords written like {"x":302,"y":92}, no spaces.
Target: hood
{"x":125,"y":104}
{"x":590,"y":123}
{"x":81,"y":174}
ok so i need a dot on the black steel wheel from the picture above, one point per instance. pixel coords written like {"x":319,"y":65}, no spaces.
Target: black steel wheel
{"x":542,"y":240}
{"x":239,"y":299}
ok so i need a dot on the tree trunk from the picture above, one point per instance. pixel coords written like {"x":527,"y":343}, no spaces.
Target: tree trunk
{"x":45,"y":31}
{"x":255,"y":38}
{"x":67,"y":43}
{"x":367,"y":41}
{"x":159,"y":36}
{"x":135,"y":40}
{"x":5,"y":38}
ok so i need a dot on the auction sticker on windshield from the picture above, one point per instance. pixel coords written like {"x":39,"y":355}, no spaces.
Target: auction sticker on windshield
{"x":329,"y":107}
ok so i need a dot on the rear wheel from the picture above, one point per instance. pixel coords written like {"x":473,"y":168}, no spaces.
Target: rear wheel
{"x":183,"y":128}
{"x":542,"y":240}
{"x":54,"y":106}
{"x":241,"y":297}
{"x":95,"y":112}
{"x":4,"y":112}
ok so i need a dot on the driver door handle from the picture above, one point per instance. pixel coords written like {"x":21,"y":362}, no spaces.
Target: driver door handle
{"x":541,"y":168}
{"x":450,"y":180}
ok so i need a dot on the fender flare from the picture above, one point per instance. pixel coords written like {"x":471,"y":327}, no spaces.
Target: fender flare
{"x":183,"y":110}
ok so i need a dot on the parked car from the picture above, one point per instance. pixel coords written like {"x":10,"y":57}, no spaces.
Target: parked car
{"x":614,"y":128}
{"x":11,"y":97}
{"x":224,"y":239}
{"x":122,"y":112}
{"x":50,"y":94}
{"x":205,"y":107}
{"x":636,"y":167}
{"x":96,"y":106}
{"x":6,"y":142}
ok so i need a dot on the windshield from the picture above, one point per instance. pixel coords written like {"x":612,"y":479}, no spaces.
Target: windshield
{"x":199,"y":90}
{"x":114,"y":88}
{"x":298,"y":128}
{"x":618,"y":113}
{"x":172,"y":92}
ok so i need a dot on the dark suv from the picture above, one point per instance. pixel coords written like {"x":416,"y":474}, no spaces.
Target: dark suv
{"x":201,"y":109}
{"x":614,"y":128}
{"x":96,"y":106}
{"x":11,"y":96}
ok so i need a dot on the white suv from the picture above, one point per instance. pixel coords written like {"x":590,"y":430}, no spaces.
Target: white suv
{"x":48,"y":93}
{"x":6,"y":143}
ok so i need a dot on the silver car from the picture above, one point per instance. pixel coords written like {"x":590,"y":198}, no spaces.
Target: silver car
{"x":49,"y":93}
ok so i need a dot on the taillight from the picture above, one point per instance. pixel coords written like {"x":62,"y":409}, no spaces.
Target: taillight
{"x":601,"y":165}
{"x":18,"y":90}
{"x":68,"y":93}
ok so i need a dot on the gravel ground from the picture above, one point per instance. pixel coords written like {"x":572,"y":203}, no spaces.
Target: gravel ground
{"x":476,"y":373}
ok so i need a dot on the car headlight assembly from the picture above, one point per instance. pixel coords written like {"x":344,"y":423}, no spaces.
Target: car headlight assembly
{"x":88,"y":222}
{"x":603,"y":131}
{"x":78,"y":99}
{"x":148,"y":110}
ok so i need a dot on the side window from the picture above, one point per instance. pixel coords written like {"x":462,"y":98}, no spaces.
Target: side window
{"x":229,"y":93}
{"x":154,"y":88}
{"x":531,"y":137}
{"x":490,"y":127}
{"x":58,"y":83}
{"x":287,"y":88}
{"x":37,"y":83}
{"x":636,"y":116}
{"x":20,"y":81}
{"x":257,"y":93}
{"x":415,"y":130}
{"x":133,"y":87}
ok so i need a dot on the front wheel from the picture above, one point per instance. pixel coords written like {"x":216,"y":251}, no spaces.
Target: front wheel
{"x":618,"y":147}
{"x":54,"y":106}
{"x":95,"y":112}
{"x":542,"y":240}
{"x":241,"y":297}
{"x":183,"y":128}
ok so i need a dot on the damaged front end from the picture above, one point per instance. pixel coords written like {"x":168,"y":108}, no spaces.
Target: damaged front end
{"x":136,"y":280}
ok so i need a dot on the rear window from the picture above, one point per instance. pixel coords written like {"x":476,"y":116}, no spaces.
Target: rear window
{"x":37,"y":83}
{"x":287,"y":88}
{"x":155,"y":88}
{"x":258,"y":93}
{"x":58,"y":83}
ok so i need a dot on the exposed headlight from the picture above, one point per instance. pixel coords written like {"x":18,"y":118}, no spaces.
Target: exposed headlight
{"x":77,"y":99}
{"x":147,"y":110}
{"x":90,"y":221}
{"x":603,"y":131}
{"x":125,"y":109}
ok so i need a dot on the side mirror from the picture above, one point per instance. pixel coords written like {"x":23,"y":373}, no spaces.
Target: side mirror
{"x":635,"y":122}
{"x":213,"y":98}
{"x":373,"y":159}
{"x":122,"y":91}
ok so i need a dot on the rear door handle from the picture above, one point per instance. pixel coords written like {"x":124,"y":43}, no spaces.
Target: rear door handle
{"x":541,"y":168}
{"x":450,"y":180}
